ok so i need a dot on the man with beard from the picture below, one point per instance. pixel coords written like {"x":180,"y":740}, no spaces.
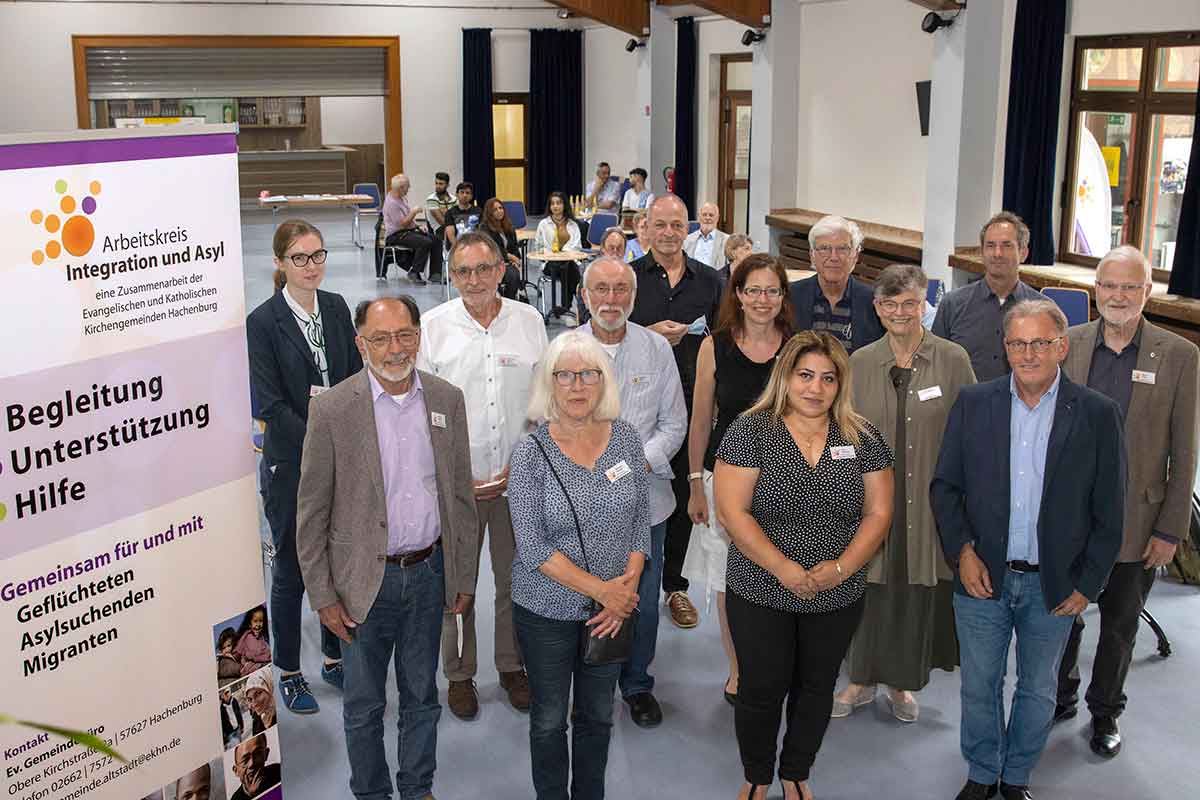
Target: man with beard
{"x":488,"y":346}
{"x":251,"y":768}
{"x":386,"y":535}
{"x":652,"y":401}
{"x":1152,"y":375}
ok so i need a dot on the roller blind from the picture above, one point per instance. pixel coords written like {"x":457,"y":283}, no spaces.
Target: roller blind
{"x":120,"y":73}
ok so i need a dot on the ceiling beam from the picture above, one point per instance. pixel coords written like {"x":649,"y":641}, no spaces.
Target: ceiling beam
{"x":631,"y":16}
{"x":755,"y":13}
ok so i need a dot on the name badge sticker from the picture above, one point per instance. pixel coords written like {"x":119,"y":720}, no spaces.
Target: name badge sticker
{"x":617,"y":471}
{"x":507,"y":360}
{"x":438,"y":420}
{"x":929,"y":393}
{"x":637,"y":380}
{"x":1142,"y":376}
{"x":842,"y":452}
{"x":313,"y":391}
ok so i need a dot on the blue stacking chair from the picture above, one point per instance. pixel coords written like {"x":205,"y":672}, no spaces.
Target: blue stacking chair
{"x":693,"y":226}
{"x":373,"y":207}
{"x":1075,"y":303}
{"x":933,"y":295}
{"x":515,"y":210}
{"x":598,"y":225}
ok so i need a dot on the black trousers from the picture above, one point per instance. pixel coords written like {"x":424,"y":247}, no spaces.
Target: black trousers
{"x":1121,"y":605}
{"x":679,"y":524}
{"x":420,"y":243}
{"x":435,"y":254}
{"x":782,"y":654}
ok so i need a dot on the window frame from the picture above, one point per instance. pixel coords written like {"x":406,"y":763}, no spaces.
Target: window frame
{"x":1144,"y":104}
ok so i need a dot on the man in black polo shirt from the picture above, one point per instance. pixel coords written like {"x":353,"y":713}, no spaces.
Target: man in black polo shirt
{"x":464,"y":215}
{"x":678,"y":298}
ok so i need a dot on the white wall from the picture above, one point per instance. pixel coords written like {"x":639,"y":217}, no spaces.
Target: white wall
{"x":1100,"y":17}
{"x":352,"y":120}
{"x":611,"y":107}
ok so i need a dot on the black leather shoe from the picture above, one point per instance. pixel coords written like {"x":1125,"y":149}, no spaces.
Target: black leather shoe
{"x":977,"y":791}
{"x":1009,"y":792}
{"x":1062,"y":713}
{"x":1106,"y":736}
{"x":644,"y":710}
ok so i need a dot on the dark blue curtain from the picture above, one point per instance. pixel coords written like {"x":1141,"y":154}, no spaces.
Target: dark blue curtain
{"x":556,"y":105}
{"x":479,"y":146}
{"x":1034,"y":91}
{"x":1185,"y":272}
{"x":685,"y":113}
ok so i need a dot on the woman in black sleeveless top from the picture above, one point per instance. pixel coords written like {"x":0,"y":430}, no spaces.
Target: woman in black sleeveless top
{"x":754,"y":322}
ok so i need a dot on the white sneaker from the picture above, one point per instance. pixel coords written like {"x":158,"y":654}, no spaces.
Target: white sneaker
{"x":846,"y":701}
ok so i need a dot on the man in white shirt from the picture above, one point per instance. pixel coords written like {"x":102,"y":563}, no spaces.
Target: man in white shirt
{"x":652,"y":401}
{"x":437,"y":204}
{"x":604,"y":191}
{"x":707,"y":245}
{"x":638,"y":196}
{"x":488,"y":347}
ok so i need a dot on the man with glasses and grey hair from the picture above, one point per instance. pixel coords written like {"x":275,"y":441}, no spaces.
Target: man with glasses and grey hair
{"x":1152,"y":375}
{"x":833,"y":300}
{"x":1029,"y":497}
{"x":972,"y":315}
{"x":652,"y":401}
{"x":488,"y":346}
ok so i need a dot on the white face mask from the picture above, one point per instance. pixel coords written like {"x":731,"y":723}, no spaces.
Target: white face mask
{"x":699,"y":327}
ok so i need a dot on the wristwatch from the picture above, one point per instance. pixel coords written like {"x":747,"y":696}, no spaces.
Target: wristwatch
{"x":695,"y":476}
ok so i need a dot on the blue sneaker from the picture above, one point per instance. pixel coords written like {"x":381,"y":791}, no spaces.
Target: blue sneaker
{"x":296,"y":695}
{"x":334,"y":675}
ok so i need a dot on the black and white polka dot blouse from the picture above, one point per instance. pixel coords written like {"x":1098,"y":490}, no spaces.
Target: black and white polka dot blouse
{"x":614,"y":514}
{"x":809,"y":514}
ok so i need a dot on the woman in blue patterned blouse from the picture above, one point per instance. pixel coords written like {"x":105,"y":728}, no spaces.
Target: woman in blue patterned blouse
{"x":602,"y":468}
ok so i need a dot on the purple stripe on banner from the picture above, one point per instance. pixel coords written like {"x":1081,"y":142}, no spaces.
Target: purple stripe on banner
{"x":102,"y":151}
{"x":274,"y":794}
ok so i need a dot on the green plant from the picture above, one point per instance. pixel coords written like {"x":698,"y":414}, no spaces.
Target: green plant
{"x":84,"y":738}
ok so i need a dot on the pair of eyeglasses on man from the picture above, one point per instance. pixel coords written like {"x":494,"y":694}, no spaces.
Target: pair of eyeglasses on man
{"x":604,"y":290}
{"x":316,"y":257}
{"x":1123,"y":288}
{"x":403,"y":338}
{"x":588,"y":377}
{"x":891,"y":306}
{"x":478,"y":271}
{"x":843,"y":250}
{"x":1038,"y":346}
{"x":770,"y":292}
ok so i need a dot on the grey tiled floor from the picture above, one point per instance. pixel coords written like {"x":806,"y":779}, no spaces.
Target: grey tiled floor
{"x":693,"y":754}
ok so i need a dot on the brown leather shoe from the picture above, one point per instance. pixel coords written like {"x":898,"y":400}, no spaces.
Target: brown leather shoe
{"x":517,"y":686}
{"x":683,"y":613}
{"x":463,"y":699}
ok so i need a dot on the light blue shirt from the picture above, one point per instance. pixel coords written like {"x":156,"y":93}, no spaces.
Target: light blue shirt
{"x":704,"y":248}
{"x":1029,"y":434}
{"x":651,"y":401}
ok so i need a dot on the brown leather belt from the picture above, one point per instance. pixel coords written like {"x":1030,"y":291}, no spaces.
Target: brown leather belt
{"x":413,"y":558}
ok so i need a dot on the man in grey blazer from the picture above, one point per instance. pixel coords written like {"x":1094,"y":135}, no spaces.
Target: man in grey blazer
{"x":707,"y":244}
{"x":385,"y":536}
{"x":1152,"y":374}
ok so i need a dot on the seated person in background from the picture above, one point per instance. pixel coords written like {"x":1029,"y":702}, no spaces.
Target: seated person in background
{"x":638,"y":246}
{"x":707,"y":245}
{"x":603,"y":192}
{"x":464,"y":215}
{"x":559,"y":232}
{"x":496,"y":224}
{"x":436,"y":206}
{"x":737,"y":247}
{"x":400,"y":228}
{"x":638,"y":196}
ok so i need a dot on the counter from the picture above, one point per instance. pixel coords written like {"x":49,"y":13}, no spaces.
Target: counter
{"x":321,"y":171}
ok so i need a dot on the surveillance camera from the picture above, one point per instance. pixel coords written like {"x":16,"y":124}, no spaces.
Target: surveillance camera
{"x":752,"y":36}
{"x":633,"y":44}
{"x":933,"y":21}
{"x":564,"y":14}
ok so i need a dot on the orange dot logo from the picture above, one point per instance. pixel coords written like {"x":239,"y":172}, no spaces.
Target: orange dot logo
{"x":76,"y":234}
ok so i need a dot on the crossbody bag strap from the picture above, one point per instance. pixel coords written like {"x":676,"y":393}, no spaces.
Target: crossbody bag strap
{"x":566,"y":494}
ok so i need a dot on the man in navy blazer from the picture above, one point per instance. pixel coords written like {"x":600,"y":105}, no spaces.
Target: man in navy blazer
{"x":1029,"y":496}
{"x":832,"y":300}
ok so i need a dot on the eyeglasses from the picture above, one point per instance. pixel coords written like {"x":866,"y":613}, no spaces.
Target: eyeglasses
{"x":478,"y":271}
{"x":1124,"y":288}
{"x":604,"y":290}
{"x":317,"y":257}
{"x":1038,"y":346}
{"x":824,"y":250}
{"x":891,"y":306}
{"x":403,"y":338}
{"x":771,"y":292}
{"x":588,"y":377}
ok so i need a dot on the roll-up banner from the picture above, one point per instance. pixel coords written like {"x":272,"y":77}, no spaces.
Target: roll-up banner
{"x":131,"y":592}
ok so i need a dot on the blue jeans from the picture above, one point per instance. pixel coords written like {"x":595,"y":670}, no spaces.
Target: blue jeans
{"x":635,"y":677}
{"x":985,"y":628}
{"x":552,"y":659}
{"x":404,"y":623}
